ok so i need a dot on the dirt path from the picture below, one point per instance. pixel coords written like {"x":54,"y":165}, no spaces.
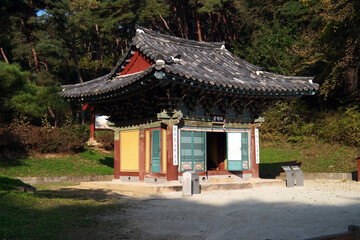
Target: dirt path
{"x":318,"y":208}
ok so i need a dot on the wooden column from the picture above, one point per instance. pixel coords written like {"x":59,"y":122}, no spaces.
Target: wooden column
{"x":254,"y":166}
{"x":172,"y":170}
{"x":142,"y":155}
{"x":117,"y":154}
{"x":92,"y":125}
{"x":358,"y":168}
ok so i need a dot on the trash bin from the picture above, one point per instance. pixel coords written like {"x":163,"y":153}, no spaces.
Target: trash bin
{"x":195,"y":183}
{"x":191,"y":183}
{"x":186,"y":178}
{"x":289,"y":176}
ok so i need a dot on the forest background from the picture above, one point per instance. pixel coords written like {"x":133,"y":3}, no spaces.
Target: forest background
{"x":46,"y":43}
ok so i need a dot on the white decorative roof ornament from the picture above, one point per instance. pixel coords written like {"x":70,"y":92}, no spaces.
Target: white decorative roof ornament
{"x":175,"y":59}
{"x":160,"y":62}
{"x":222,"y":46}
{"x":139,"y":31}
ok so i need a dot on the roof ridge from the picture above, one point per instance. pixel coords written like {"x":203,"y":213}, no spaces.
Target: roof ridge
{"x":118,"y":64}
{"x":288,"y":77}
{"x":133,"y":74}
{"x":71,"y":86}
{"x":157,"y":35}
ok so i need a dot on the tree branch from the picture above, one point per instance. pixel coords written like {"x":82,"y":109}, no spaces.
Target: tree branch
{"x":167,"y":27}
{"x":4,"y":56}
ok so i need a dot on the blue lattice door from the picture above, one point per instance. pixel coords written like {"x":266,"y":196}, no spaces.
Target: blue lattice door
{"x":192,"y":150}
{"x":155,"y":151}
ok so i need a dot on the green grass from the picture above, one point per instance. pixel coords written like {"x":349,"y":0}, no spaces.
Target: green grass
{"x":89,"y":162}
{"x":310,"y":155}
{"x":55,"y":212}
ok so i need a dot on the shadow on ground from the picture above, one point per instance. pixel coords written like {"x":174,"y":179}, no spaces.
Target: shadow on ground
{"x":355,"y":176}
{"x":12,"y":159}
{"x":273,"y":170}
{"x":108,"y":161}
{"x":78,"y":194}
{"x":102,"y":214}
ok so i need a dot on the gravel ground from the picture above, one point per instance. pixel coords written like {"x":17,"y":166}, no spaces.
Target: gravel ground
{"x":316,"y":209}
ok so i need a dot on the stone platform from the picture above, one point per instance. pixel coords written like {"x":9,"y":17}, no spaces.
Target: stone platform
{"x":176,"y":186}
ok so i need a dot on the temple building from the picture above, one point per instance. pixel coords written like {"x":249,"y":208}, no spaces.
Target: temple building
{"x":176,"y":105}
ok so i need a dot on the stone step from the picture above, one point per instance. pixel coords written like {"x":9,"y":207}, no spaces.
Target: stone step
{"x":152,"y":188}
{"x":221,"y":180}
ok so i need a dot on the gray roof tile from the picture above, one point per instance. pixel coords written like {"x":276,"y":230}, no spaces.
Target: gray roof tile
{"x":205,"y":62}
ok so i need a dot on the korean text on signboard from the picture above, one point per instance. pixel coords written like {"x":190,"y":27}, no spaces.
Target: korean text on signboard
{"x":218,"y":118}
{"x":175,"y":144}
{"x":257,"y":157}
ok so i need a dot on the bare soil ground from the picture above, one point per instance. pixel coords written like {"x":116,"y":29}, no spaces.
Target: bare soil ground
{"x":316,"y":209}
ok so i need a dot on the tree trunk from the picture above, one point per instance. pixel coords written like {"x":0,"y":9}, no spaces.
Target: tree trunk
{"x":185,"y":21}
{"x":53,"y":115}
{"x":30,"y":64}
{"x":4,"y":56}
{"x":76,"y":59}
{"x":35,"y":58}
{"x":165,"y":23}
{"x":116,"y":51}
{"x":198,"y":24}
{"x":211,"y":27}
{"x":67,"y":76}
{"x":219,"y":28}
{"x":82,"y":116}
{"x":100,"y":51}
{"x":76,"y":64}
{"x":181,"y":30}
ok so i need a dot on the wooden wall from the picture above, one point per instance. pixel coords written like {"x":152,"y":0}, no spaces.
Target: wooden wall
{"x":129,"y":151}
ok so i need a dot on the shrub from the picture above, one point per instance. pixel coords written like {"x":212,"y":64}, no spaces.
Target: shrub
{"x":25,"y":138}
{"x":294,"y":122}
{"x":341,"y":126}
{"x":11,"y":146}
{"x":106,"y":139}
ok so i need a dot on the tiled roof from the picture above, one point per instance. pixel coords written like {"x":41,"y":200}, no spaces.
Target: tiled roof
{"x":102,"y":85}
{"x":203,"y":62}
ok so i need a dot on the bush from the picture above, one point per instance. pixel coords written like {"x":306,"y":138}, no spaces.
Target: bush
{"x":10,"y":145}
{"x":21,"y":137}
{"x":341,"y":126}
{"x":294,"y":122}
{"x":106,"y":139}
{"x":287,"y":120}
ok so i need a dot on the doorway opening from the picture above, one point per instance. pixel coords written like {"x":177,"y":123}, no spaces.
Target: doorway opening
{"x":215,"y":150}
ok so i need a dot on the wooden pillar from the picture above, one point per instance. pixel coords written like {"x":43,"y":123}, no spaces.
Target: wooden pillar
{"x":92,"y":125}
{"x":117,"y":154}
{"x":142,"y":155}
{"x":172,"y":170}
{"x":358,"y":169}
{"x":254,"y":166}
